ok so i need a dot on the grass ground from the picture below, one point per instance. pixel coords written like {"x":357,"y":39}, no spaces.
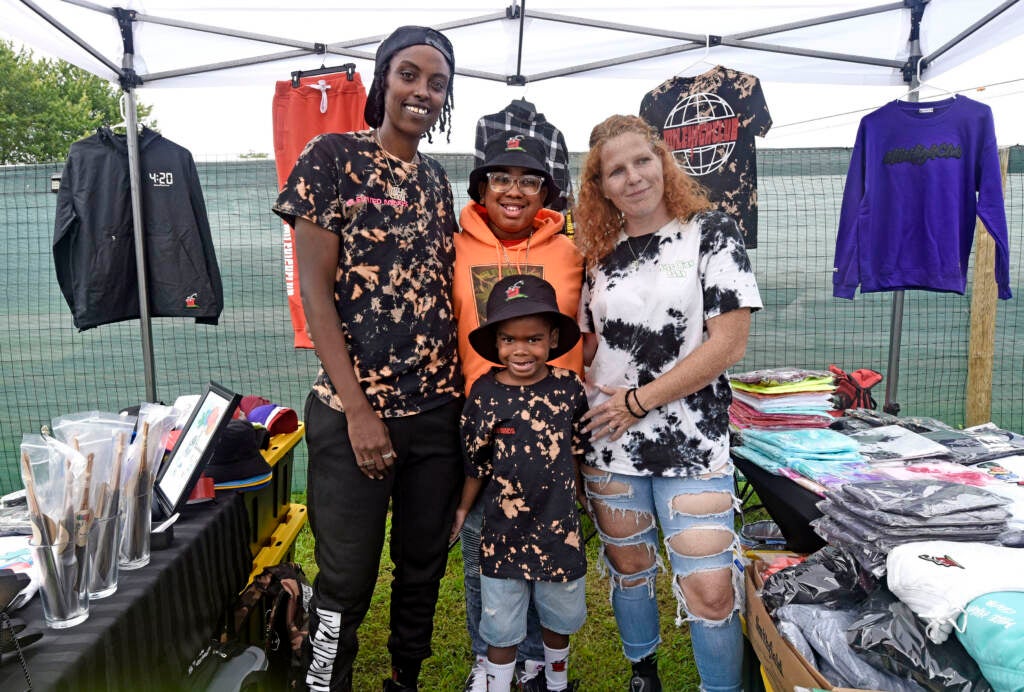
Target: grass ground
{"x":595,"y":658}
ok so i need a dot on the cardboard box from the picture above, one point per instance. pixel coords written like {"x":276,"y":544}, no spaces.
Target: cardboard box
{"x":785,"y":670}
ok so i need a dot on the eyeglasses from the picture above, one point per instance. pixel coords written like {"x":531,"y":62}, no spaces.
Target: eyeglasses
{"x":502,"y":182}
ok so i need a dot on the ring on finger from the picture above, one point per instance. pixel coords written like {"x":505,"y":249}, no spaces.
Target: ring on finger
{"x":368,"y":462}
{"x":387,"y":455}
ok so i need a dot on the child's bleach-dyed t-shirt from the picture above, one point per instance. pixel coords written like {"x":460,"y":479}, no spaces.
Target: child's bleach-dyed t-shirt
{"x":524,"y":439}
{"x":396,"y":222}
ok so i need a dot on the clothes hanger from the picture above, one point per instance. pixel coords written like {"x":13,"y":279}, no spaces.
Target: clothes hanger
{"x":921,"y":83}
{"x":122,"y":106}
{"x":708,"y":42}
{"x":348,"y":68}
{"x":522,"y":104}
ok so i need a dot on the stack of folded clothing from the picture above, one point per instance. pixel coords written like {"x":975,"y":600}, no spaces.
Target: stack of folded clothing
{"x":781,"y":398}
{"x":895,"y":443}
{"x":824,"y":456}
{"x":978,"y":443}
{"x":869,"y":519}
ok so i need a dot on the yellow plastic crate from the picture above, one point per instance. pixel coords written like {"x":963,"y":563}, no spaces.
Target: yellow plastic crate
{"x":268,"y":506}
{"x":282,"y":542}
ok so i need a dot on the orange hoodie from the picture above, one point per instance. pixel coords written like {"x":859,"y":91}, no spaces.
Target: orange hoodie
{"x":480,"y":263}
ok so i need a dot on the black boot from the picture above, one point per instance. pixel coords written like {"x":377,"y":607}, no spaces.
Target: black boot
{"x":404,"y":674}
{"x":645,"y":675}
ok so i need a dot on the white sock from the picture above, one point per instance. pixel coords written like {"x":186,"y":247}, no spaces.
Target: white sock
{"x":499,"y":676}
{"x":556,"y":668}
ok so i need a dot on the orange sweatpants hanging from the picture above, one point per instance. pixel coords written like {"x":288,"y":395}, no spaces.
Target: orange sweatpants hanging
{"x":320,"y":104}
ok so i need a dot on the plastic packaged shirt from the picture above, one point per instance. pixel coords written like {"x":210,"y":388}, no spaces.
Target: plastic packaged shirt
{"x":830,"y":576}
{"x":924,"y":499}
{"x":825,"y":630}
{"x":937,"y":579}
{"x":887,"y":633}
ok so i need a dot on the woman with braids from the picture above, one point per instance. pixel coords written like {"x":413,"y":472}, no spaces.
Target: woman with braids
{"x":665,"y":310}
{"x":374,"y":223}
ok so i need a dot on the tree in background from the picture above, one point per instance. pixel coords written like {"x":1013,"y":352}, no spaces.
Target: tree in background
{"x":46,"y":105}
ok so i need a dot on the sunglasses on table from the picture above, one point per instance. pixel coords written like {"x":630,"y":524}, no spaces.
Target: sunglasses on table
{"x":502,"y":182}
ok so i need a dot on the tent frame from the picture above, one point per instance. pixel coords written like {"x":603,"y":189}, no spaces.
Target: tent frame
{"x":129,"y":80}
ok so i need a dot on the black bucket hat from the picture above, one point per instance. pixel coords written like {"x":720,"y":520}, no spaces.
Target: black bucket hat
{"x":522,"y":295}
{"x":400,"y":38}
{"x":509,"y":149}
{"x":237,"y":455}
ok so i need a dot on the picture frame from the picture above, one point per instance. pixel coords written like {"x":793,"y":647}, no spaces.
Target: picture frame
{"x":194,"y":448}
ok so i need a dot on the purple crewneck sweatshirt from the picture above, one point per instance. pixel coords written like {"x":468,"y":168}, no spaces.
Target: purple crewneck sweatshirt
{"x":919,"y":175}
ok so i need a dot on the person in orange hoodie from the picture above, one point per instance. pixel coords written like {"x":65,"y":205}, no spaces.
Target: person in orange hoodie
{"x":506,"y":230}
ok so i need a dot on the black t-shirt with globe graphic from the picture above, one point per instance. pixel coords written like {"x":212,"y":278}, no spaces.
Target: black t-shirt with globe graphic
{"x":709,"y":121}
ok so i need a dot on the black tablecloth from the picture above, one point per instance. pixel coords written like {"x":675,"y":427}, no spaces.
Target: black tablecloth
{"x":145,"y":635}
{"x":790,"y":505}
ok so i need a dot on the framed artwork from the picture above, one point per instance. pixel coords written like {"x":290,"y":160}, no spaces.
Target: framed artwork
{"x":195,"y":446}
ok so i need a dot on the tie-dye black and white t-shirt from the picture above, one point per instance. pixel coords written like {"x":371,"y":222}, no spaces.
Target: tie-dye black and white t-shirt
{"x":647,"y":302}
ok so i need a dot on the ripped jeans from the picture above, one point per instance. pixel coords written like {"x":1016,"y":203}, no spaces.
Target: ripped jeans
{"x":696,"y":518}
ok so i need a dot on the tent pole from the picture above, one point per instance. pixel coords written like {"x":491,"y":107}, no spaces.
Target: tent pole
{"x":910,"y":74}
{"x":132,"y":137}
{"x":129,"y":80}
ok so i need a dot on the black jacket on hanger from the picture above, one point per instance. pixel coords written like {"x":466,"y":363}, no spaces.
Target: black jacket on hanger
{"x":93,"y":241}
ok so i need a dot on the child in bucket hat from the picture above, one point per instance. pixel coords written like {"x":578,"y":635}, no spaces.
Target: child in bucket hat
{"x":516,"y":298}
{"x":506,"y":229}
{"x":522,"y":431}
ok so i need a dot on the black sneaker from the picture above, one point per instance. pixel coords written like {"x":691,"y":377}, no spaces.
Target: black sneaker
{"x":644,"y":683}
{"x":395,"y":686}
{"x":535,"y":684}
{"x":539,"y":684}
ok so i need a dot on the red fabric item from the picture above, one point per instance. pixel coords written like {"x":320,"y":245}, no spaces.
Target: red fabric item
{"x":780,"y":563}
{"x":299,"y":115}
{"x":744,"y":416}
{"x":248,"y":403}
{"x":853,"y":389}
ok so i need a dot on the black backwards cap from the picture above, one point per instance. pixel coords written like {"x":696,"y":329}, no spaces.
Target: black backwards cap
{"x":402,"y":37}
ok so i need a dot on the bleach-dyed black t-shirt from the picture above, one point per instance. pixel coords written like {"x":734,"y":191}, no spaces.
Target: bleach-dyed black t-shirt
{"x":709,"y":122}
{"x":525,"y":440}
{"x":396,"y":225}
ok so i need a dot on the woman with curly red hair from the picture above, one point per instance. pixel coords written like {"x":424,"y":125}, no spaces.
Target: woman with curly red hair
{"x":665,"y":310}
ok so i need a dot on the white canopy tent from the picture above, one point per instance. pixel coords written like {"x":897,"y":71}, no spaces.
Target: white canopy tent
{"x":579,"y":60}
{"x":209,"y":68}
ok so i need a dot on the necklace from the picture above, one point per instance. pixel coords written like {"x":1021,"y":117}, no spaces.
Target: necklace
{"x":393,"y":190}
{"x":526,"y":258}
{"x":635,"y":264}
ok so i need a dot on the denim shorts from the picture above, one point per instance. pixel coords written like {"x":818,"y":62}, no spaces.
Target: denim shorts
{"x":562,"y":607}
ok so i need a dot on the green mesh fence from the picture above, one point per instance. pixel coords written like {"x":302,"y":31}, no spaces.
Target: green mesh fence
{"x":48,"y":368}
